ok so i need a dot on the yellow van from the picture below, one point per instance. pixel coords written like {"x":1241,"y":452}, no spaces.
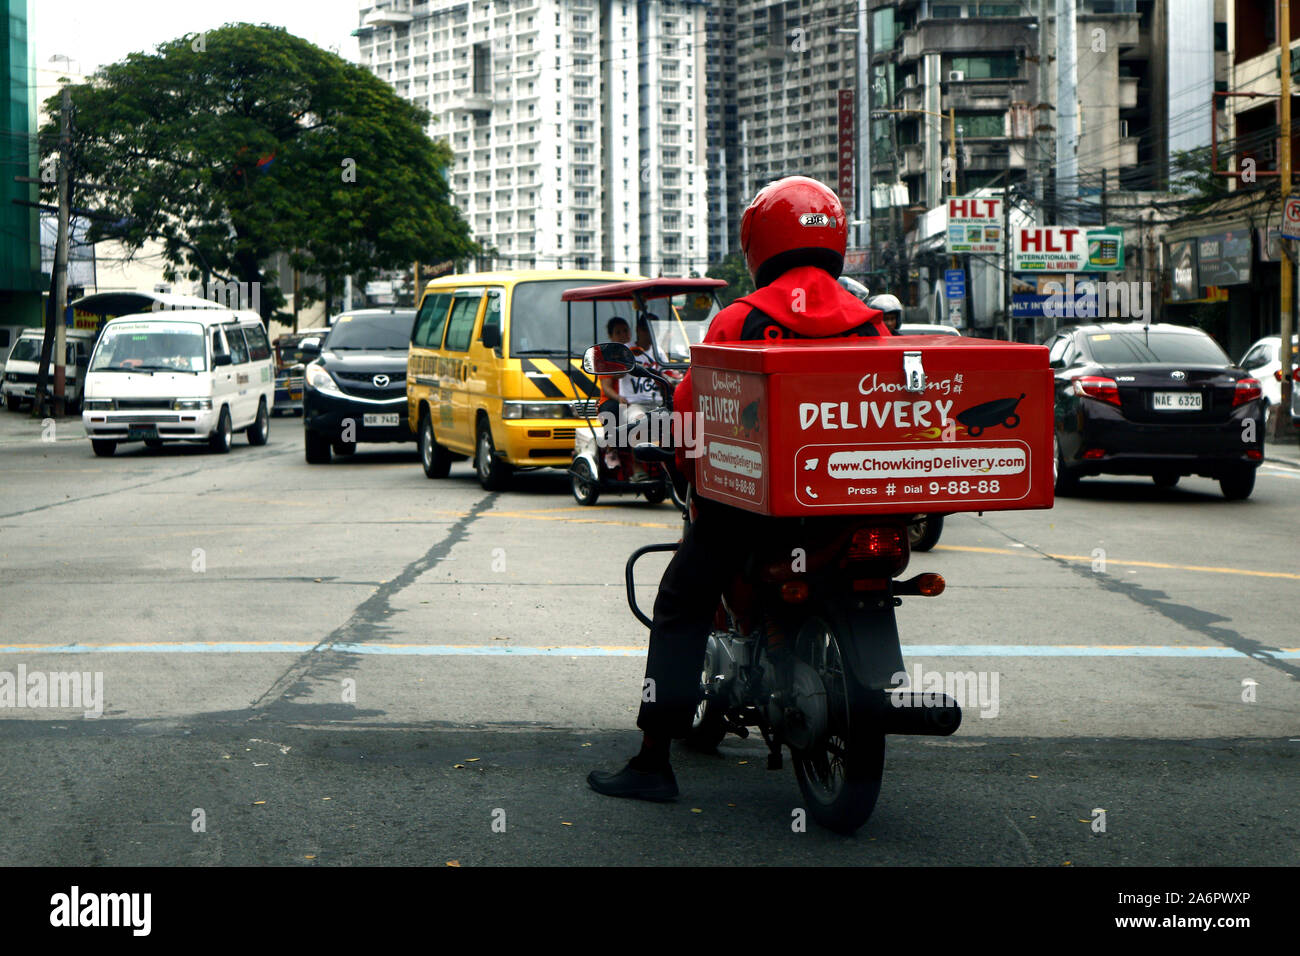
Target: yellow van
{"x":495,"y":369}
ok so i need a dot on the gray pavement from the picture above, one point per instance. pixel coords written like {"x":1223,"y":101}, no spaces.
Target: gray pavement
{"x":353,"y":664}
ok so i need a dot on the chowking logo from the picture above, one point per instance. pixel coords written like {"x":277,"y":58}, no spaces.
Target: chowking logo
{"x":816,"y":219}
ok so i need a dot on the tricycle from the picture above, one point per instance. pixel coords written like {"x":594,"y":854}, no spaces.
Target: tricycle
{"x":659,"y":341}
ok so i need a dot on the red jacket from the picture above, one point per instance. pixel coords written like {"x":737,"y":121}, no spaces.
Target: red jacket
{"x":806,"y":300}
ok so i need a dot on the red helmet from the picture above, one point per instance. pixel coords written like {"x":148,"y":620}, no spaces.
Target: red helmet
{"x":794,"y":221}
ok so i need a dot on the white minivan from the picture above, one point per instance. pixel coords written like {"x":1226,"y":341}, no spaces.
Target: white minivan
{"x":180,"y":375}
{"x":24,"y":361}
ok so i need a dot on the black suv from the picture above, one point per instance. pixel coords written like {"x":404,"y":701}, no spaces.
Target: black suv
{"x":1160,"y":400}
{"x":356,"y":390}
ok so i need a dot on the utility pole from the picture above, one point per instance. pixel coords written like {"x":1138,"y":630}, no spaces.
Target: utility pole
{"x":895,"y":240}
{"x":1067,"y":112}
{"x":952,"y":191}
{"x":1042,"y":157}
{"x":1006,"y":261}
{"x":1103,"y":195}
{"x":864,"y":128}
{"x":61,"y":253}
{"x":1287,"y":263}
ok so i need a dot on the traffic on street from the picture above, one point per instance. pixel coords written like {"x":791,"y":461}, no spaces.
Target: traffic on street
{"x":317,"y":657}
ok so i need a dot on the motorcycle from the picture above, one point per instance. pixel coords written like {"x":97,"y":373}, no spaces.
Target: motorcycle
{"x":829,"y":688}
{"x":592,"y":473}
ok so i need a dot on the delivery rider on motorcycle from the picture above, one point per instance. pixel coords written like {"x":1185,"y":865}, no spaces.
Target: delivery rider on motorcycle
{"x":793,"y":236}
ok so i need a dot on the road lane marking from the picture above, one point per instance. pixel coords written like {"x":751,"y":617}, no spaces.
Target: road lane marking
{"x":493,"y":650}
{"x":1135,"y":564}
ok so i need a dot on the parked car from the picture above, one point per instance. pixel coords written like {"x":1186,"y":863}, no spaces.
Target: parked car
{"x":23,"y":363}
{"x":356,"y":390}
{"x":1160,"y":400}
{"x":180,"y":375}
{"x":293,"y":351}
{"x":911,"y":328}
{"x":1264,"y":362}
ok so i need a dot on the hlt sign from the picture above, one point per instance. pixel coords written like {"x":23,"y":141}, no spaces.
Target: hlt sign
{"x":1062,"y":247}
{"x":972,"y":211}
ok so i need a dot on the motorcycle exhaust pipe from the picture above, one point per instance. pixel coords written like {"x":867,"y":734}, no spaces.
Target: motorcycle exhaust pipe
{"x":919,"y":714}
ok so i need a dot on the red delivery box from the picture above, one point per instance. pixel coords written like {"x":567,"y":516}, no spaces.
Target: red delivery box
{"x":905,"y":424}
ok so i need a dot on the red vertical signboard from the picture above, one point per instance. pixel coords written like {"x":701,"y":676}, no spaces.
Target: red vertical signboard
{"x":846,"y":149}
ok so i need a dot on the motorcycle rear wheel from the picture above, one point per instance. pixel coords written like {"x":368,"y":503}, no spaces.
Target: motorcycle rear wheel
{"x":840,"y":774}
{"x":709,"y":724}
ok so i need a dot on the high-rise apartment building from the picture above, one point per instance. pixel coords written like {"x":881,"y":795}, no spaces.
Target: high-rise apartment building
{"x":576,"y":126}
{"x":722,"y":131}
{"x":792,"y":60}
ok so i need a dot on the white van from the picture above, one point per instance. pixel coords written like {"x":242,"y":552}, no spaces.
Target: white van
{"x":180,"y":375}
{"x":24,"y":361}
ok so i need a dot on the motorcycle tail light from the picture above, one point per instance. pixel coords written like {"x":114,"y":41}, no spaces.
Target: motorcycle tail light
{"x":871,"y":584}
{"x":1248,"y":389}
{"x":1099,"y":387}
{"x":886,"y":544}
{"x":1277,"y":374}
{"x":794,"y":592}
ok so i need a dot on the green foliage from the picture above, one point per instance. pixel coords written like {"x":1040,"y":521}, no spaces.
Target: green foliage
{"x":1190,"y":173}
{"x":734,"y":271}
{"x":250,"y":142}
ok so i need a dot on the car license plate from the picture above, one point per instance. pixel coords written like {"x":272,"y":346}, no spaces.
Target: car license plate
{"x":139,"y":432}
{"x":379,"y":421}
{"x":1177,"y":401}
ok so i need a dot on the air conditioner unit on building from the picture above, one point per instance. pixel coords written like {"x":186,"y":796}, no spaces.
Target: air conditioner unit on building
{"x":956,"y":76}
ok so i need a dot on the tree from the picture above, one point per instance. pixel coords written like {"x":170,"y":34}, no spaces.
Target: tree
{"x":1190,"y":173}
{"x":736,"y":274}
{"x":246,"y":141}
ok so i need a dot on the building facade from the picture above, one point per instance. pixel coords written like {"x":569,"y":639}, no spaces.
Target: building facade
{"x":21,"y":280}
{"x":576,"y":126}
{"x":792,"y":59}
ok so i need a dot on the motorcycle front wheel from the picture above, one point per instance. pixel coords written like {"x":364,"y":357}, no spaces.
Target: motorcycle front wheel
{"x":840,"y":773}
{"x":586,"y":489}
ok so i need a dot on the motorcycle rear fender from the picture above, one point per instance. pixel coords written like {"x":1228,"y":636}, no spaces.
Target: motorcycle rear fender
{"x":868,"y":637}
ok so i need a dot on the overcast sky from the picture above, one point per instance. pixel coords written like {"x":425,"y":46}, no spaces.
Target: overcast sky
{"x":96,"y":32}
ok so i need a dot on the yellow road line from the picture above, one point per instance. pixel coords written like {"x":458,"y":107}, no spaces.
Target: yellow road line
{"x":1209,"y":569}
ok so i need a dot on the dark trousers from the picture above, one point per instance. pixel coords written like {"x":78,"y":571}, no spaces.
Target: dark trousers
{"x":714,"y":548}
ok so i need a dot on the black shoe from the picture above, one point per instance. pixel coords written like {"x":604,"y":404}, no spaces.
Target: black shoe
{"x":653,"y":785}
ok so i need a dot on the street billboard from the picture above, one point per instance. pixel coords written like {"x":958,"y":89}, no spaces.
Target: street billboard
{"x":1223,"y":258}
{"x":1067,"y":249}
{"x":846,"y":149}
{"x":1183,"y":284}
{"x":974,"y":225}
